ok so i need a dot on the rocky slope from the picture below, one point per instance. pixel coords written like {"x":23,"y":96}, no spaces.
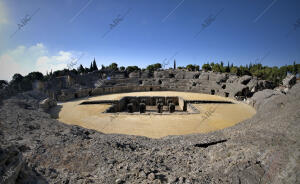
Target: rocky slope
{"x":34,"y":148}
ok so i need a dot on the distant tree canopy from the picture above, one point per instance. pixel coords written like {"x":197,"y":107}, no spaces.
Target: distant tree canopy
{"x":64,"y":72}
{"x":113,"y":66}
{"x":20,"y":83}
{"x":93,"y":67}
{"x":122,"y":68}
{"x":273,"y":74}
{"x":3,"y":83}
{"x":130,"y":69}
{"x":81,"y":69}
{"x":191,"y":67}
{"x":154,"y":67}
{"x":206,"y":67}
{"x":35,"y":76}
{"x":17,"y":77}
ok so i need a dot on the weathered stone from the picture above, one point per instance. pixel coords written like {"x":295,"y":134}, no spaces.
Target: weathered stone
{"x":289,"y":81}
{"x":204,"y":76}
{"x":47,"y":104}
{"x":151,"y":176}
{"x":145,"y":74}
{"x":160,"y":107}
{"x":119,"y":181}
{"x":263,"y":97}
{"x":245,"y":79}
{"x":236,"y":89}
{"x":11,"y":164}
{"x":253,"y":85}
{"x":130,"y":107}
{"x":163,"y":74}
{"x":142,"y":108}
{"x":134,"y":74}
{"x":171,"y":107}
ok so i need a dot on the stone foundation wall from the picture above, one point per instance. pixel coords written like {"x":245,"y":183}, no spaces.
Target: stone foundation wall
{"x":182,"y":103}
{"x":225,"y":85}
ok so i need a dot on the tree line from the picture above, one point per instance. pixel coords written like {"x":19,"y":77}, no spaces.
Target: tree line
{"x":274,"y":74}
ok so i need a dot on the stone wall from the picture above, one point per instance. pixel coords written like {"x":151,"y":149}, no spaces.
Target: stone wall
{"x":97,"y":83}
{"x":182,"y":104}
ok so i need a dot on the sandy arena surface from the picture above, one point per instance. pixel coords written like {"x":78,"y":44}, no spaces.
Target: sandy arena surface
{"x":212,"y":116}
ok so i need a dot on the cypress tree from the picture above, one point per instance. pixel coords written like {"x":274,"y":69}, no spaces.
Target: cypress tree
{"x":91,"y":67}
{"x":80,"y":69}
{"x":95,"y":68}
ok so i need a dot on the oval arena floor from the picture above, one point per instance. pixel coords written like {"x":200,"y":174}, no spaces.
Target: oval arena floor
{"x":212,"y":116}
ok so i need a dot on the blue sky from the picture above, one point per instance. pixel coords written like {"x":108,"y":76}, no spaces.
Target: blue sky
{"x":153,"y":30}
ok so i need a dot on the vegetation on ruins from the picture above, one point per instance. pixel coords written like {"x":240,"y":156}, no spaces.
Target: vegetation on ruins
{"x":154,"y":67}
{"x":93,"y":66}
{"x":274,"y":74}
{"x":191,"y":67}
{"x":122,"y":68}
{"x":113,"y":66}
{"x":130,"y":69}
{"x":20,"y":83}
{"x":3,"y":83}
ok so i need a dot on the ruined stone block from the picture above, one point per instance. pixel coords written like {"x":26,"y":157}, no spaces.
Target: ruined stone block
{"x":160,"y":107}
{"x":171,"y":107}
{"x":130,"y":107}
{"x":142,"y":108}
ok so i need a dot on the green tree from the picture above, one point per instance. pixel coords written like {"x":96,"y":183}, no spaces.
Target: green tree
{"x":94,"y":66}
{"x":80,"y":69}
{"x":157,"y":66}
{"x":234,"y":70}
{"x":154,"y":67}
{"x":17,"y":77}
{"x":227,"y":69}
{"x":217,"y":68}
{"x":244,"y":71}
{"x":35,"y":76}
{"x":113,"y":66}
{"x":206,"y":67}
{"x":295,"y":68}
{"x":190,"y":67}
{"x":130,"y":69}
{"x":122,"y":68}
{"x":3,"y":83}
{"x":91,"y":67}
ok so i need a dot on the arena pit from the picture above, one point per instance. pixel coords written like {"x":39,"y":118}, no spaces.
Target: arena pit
{"x":154,"y":114}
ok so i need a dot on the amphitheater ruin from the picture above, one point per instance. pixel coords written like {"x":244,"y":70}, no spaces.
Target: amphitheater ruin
{"x":195,"y":102}
{"x":172,"y":126}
